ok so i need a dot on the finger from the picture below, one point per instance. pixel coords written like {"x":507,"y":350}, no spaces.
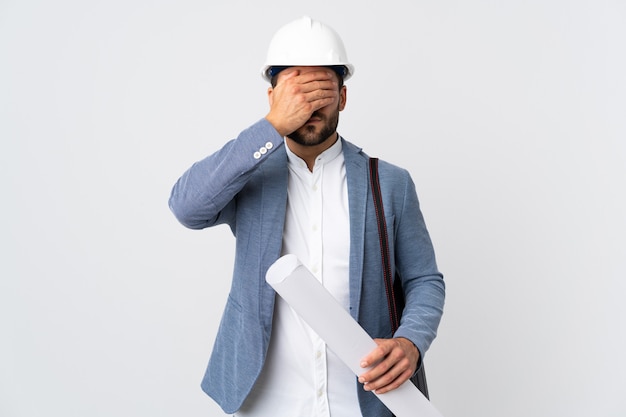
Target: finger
{"x":316,"y":80}
{"x":393,"y":370}
{"x":379,"y":361}
{"x":377,"y":354}
{"x":316,"y":90}
{"x":376,"y":372}
{"x":309,"y":80}
{"x":322,"y":101}
{"x":318,"y":75}
{"x":287,"y":74}
{"x":387,"y":375}
{"x":389,"y":381}
{"x":307,"y":93}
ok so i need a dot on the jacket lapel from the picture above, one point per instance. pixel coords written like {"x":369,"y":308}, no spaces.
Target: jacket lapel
{"x":358,"y":180}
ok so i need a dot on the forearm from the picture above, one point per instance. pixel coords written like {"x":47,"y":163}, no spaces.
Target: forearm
{"x":423,"y":284}
{"x":209,"y":185}
{"x":423,"y":311}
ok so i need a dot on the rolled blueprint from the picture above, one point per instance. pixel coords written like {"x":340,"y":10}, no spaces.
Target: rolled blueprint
{"x":347,"y":339}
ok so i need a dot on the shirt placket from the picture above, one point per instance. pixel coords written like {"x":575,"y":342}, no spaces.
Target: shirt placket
{"x":315,"y":264}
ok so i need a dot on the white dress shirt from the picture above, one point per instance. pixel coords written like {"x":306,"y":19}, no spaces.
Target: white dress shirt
{"x":301,"y":377}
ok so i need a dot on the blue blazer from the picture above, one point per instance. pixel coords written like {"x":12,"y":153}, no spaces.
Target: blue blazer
{"x":244,"y":184}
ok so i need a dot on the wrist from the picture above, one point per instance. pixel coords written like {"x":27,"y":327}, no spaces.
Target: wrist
{"x":281,"y":130}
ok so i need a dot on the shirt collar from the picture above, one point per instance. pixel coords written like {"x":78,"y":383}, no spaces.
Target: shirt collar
{"x":323,"y":158}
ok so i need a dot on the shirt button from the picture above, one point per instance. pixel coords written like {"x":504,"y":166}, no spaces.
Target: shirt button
{"x":269,"y":145}
{"x":263,"y":150}
{"x":257,"y":155}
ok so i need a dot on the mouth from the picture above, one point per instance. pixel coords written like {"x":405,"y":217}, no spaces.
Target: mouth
{"x":314,"y":119}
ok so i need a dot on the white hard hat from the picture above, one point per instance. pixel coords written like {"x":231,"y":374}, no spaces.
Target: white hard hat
{"x":306,"y":42}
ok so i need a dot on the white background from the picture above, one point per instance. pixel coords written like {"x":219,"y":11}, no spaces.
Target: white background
{"x":509,"y":115}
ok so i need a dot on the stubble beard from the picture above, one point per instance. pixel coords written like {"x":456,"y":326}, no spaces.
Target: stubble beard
{"x":308,"y":135}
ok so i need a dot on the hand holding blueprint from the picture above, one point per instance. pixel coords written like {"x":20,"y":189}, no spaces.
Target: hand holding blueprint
{"x":308,"y":297}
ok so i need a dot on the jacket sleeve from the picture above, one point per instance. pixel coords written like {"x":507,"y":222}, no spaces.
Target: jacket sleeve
{"x":205,"y":194}
{"x":423,"y":284}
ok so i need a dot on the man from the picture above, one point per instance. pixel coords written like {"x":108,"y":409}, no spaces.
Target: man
{"x":290,"y":184}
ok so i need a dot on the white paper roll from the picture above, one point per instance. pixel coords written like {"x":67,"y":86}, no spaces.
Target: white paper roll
{"x":349,"y":341}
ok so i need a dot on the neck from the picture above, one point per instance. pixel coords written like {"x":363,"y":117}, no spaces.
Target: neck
{"x":310,"y":153}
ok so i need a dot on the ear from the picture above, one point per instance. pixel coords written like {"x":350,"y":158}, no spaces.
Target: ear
{"x":343,"y":96}
{"x":270,"y":96}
